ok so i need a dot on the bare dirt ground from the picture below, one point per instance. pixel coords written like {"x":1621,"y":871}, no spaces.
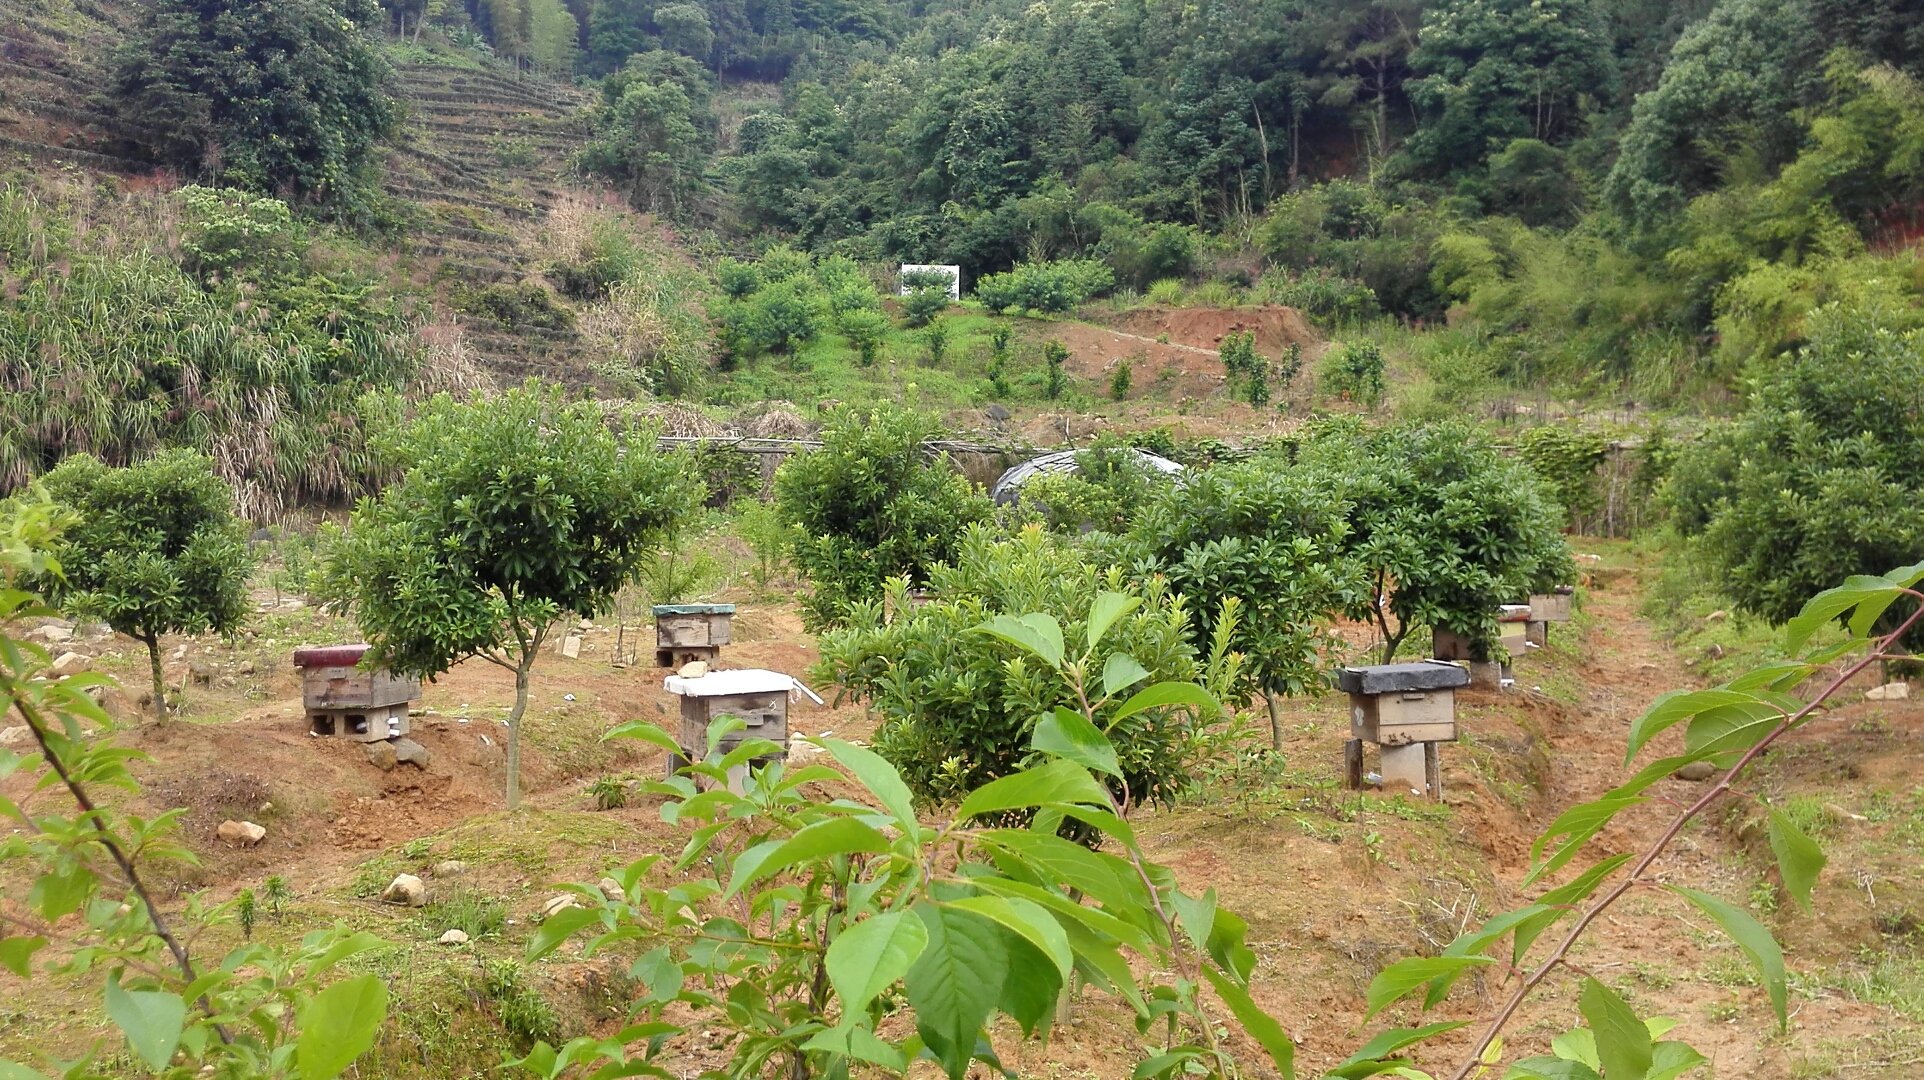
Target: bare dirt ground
{"x":1334,"y":884}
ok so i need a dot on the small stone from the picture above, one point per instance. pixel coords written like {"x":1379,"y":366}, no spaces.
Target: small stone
{"x":240,"y":833}
{"x":454,"y":937}
{"x":586,"y":624}
{"x":559,"y":903}
{"x":1894,"y":691}
{"x":201,"y":674}
{"x":383,"y":755}
{"x":246,"y":667}
{"x":693,"y":669}
{"x":1696,"y":771}
{"x":450,"y":868}
{"x":179,"y":653}
{"x":610,"y":888}
{"x":405,"y":889}
{"x":69,"y":663}
{"x":18,"y":735}
{"x":410,"y":752}
{"x":52,"y":633}
{"x":1717,"y":616}
{"x":567,"y":697}
{"x":571,"y":646}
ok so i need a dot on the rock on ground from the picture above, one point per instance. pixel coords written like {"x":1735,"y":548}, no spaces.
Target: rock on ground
{"x":69,"y":663}
{"x":454,"y":937}
{"x":559,"y":903}
{"x":240,"y":833}
{"x":1896,"y":691}
{"x":383,"y":755}
{"x":405,"y":889}
{"x":409,"y":752}
{"x":450,"y":868}
{"x":1696,"y":770}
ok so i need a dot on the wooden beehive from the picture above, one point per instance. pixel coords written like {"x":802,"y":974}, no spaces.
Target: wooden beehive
{"x":1513,"y":628}
{"x":1406,"y":710}
{"x":759,"y":697}
{"x":343,"y":699}
{"x":1553,"y":606}
{"x":687,"y":632}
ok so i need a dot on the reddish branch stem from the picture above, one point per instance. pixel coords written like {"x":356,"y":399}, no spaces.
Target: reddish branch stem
{"x":1597,"y":907}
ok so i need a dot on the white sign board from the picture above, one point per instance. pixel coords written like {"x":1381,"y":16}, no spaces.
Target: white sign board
{"x":954,"y":274}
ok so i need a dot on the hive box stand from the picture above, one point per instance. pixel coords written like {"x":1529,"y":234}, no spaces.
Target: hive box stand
{"x":343,"y":700}
{"x":759,"y":697}
{"x":1406,"y":710}
{"x":689,"y":632}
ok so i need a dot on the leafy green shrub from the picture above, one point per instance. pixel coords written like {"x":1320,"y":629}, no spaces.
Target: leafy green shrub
{"x":524,"y":1014}
{"x":1044,"y":286}
{"x":1355,"y":372}
{"x":1056,"y":377}
{"x":761,"y":528}
{"x":919,"y":280}
{"x":227,"y":231}
{"x":1822,"y":476}
{"x":605,"y":258}
{"x":1119,"y":382}
{"x":516,"y":306}
{"x":1567,"y":458}
{"x":936,"y":337}
{"x":1322,"y":294}
{"x":866,"y":329}
{"x":922,"y":305}
{"x":155,"y":549}
{"x":956,"y":712}
{"x":1238,"y":354}
{"x":871,"y":505}
{"x":737,"y":279}
{"x":776,"y":318}
{"x":1109,"y":486}
{"x":609,"y":792}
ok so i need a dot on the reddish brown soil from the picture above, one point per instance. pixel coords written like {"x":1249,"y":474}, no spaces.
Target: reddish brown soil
{"x":1276,"y":327}
{"x":1334,"y":885}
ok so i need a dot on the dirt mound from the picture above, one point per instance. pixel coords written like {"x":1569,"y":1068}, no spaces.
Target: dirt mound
{"x":1276,"y":327}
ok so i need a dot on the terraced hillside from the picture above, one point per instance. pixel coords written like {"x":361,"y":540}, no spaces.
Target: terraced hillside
{"x":481,"y":158}
{"x":483,"y":155}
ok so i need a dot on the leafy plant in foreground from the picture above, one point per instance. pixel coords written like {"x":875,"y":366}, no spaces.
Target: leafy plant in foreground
{"x":805,"y":915}
{"x":256,"y":1011}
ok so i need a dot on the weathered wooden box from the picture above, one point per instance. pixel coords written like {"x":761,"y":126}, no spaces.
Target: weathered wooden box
{"x":686,"y":632}
{"x":1553,"y":606}
{"x":1450,"y":645}
{"x":1513,"y":628}
{"x":759,"y":697}
{"x":343,"y":699}
{"x":1397,"y":704}
{"x":1406,"y":710}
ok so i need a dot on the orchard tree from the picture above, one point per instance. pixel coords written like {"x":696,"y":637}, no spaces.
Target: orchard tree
{"x":289,"y":96}
{"x":514,"y":511}
{"x":1442,"y":526}
{"x":1823,"y":476}
{"x":954,"y":713}
{"x":870,"y":505}
{"x":154,"y":548}
{"x":1271,"y":536}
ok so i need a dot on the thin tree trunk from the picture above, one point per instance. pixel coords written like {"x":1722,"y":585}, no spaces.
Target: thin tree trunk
{"x":514,"y":728}
{"x":1275,"y":721}
{"x":160,"y":681}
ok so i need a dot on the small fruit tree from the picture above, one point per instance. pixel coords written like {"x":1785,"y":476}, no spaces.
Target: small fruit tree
{"x":1443,"y":526}
{"x":871,"y":504}
{"x":956,"y":708}
{"x":1273,"y":537}
{"x":257,"y":1010}
{"x":514,"y":511}
{"x":154,"y":548}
